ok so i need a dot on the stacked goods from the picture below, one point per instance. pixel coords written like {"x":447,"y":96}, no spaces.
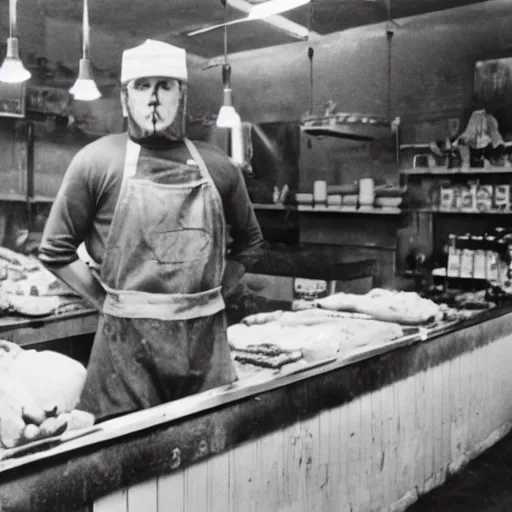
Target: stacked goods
{"x":405,"y":308}
{"x":27,"y":288}
{"x":273,"y":340}
{"x":38,"y":395}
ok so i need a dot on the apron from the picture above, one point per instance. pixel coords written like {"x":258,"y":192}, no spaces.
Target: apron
{"x":162,"y":334}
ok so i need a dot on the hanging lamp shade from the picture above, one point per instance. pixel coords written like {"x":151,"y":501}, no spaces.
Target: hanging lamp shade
{"x":12,"y":69}
{"x":85,"y":89}
{"x":228,"y":116}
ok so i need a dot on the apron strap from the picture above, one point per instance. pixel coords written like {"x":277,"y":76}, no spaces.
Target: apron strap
{"x":131,"y":159}
{"x":199,"y":160}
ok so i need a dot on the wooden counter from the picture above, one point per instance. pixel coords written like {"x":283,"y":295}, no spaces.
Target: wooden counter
{"x":369,"y":432}
{"x":30,"y":331}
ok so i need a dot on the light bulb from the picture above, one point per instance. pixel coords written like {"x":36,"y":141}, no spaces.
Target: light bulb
{"x":12,"y":70}
{"x":85,"y":90}
{"x":227,"y":118}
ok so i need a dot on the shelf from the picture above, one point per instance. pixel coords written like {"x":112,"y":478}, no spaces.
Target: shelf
{"x":20,"y":198}
{"x":426,"y":145}
{"x":325,"y":209}
{"x":351,"y":210}
{"x":443,"y":171}
{"x":458,"y":212}
{"x":278,"y":207}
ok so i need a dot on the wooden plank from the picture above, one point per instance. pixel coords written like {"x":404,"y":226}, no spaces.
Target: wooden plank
{"x":366,"y":482}
{"x":324,"y":501}
{"x":335,"y":498}
{"x":456,"y":410}
{"x":428,"y":414}
{"x":378,"y":446}
{"x":143,"y":496}
{"x":170,"y":488}
{"x":313,"y":466}
{"x":419,"y":425}
{"x":437,"y":408}
{"x":219,"y":481}
{"x":446,"y":410}
{"x":389,"y":442}
{"x":269,"y":474}
{"x":354,"y":451}
{"x":293,"y":477}
{"x":410,"y":433}
{"x":26,"y":332}
{"x":114,"y":502}
{"x":242,"y":486}
{"x":196,"y":487}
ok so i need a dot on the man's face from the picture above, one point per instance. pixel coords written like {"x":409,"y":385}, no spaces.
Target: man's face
{"x":152,"y":102}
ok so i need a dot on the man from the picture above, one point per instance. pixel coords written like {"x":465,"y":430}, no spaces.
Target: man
{"x":153,"y":210}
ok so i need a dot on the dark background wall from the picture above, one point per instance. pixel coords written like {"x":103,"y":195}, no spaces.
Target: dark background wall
{"x":428,"y":83}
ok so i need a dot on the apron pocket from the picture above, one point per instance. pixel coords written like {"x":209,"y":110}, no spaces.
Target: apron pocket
{"x":180,"y":246}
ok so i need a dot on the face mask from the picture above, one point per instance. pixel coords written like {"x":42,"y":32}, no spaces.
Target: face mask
{"x":155,"y":108}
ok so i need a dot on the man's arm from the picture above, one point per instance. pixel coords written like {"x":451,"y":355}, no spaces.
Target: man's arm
{"x":67,"y":225}
{"x":248,"y":242}
{"x":78,"y":276}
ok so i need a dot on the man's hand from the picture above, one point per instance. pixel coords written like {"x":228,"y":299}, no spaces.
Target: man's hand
{"x":79,"y":278}
{"x":232,"y":274}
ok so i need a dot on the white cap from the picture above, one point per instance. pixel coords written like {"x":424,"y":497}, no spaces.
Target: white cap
{"x":154,"y":58}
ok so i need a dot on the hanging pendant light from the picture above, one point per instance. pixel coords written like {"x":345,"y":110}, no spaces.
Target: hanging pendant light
{"x":228,"y":117}
{"x":84,"y":88}
{"x":12,"y":70}
{"x":343,"y":125}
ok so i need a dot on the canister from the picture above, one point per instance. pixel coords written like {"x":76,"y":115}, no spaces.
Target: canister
{"x":334,"y":200}
{"x":320,"y":192}
{"x":366,"y":191}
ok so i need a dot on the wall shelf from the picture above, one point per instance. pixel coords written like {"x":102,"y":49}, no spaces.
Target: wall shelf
{"x":443,"y":171}
{"x":264,"y":206}
{"x":21,"y":198}
{"x":458,"y":212}
{"x":351,"y":210}
{"x":325,"y":209}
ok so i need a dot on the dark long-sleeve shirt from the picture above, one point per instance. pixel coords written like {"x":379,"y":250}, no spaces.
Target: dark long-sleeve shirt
{"x":85,"y":203}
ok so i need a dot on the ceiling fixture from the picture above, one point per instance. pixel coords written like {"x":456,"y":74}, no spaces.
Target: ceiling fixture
{"x":228,"y":116}
{"x":258,"y":12}
{"x":12,"y":70}
{"x":84,"y":88}
{"x":353,"y":126}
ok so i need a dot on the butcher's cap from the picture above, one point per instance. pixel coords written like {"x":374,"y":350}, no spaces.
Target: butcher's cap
{"x":154,"y":58}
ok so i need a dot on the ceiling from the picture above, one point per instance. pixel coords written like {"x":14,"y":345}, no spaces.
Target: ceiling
{"x":171,"y":20}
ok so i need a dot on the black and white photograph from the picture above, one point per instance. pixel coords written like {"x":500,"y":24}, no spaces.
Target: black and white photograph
{"x":255,"y":256}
